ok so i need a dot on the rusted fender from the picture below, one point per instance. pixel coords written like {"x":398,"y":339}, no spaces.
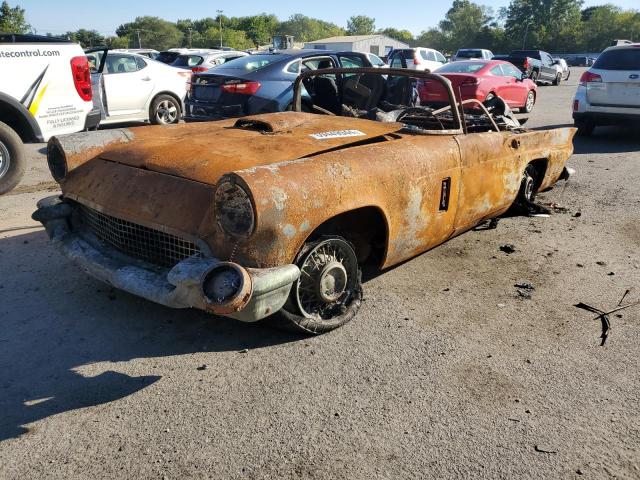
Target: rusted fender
{"x":555,"y":145}
{"x":399,"y":177}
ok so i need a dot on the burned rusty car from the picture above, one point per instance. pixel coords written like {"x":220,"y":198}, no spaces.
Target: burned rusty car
{"x":277,"y":213}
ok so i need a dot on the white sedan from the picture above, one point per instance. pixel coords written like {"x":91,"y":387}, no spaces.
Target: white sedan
{"x":135,"y":88}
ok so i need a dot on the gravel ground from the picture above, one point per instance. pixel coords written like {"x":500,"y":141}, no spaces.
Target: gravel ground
{"x":447,"y":372}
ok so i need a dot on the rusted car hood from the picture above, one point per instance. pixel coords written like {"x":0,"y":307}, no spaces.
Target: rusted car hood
{"x":204,"y":152}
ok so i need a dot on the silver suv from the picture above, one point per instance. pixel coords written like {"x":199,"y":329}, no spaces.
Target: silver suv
{"x":609,"y":92}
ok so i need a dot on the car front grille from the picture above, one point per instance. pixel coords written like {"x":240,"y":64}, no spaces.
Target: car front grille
{"x":137,"y":241}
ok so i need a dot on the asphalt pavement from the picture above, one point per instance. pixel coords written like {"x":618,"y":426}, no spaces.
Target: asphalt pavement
{"x":447,"y":372}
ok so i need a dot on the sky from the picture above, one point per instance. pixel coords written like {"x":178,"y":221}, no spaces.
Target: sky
{"x":59,"y":16}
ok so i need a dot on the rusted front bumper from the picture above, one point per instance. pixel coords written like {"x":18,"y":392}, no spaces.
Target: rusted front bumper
{"x":261,"y":292}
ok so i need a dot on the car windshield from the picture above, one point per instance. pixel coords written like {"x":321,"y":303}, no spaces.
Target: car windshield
{"x":376,"y":61}
{"x":251,"y":63}
{"x":469,"y":54}
{"x":167,"y":57}
{"x":461,"y":67}
{"x":619,"y":59}
{"x":188,"y":61}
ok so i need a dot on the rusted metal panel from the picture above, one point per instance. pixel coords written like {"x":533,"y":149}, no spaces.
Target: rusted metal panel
{"x":156,"y":200}
{"x":165,"y":178}
{"x":400,"y":177}
{"x":204,"y":151}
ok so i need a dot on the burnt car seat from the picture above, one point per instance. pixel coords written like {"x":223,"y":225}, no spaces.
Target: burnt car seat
{"x":326,"y":94}
{"x":363,"y":91}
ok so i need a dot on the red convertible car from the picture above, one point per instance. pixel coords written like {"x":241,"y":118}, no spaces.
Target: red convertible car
{"x":482,"y":80}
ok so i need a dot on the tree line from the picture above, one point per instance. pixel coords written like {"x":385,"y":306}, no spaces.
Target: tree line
{"x":552,"y":25}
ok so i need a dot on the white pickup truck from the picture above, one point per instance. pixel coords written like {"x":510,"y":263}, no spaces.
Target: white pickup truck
{"x":45,"y":90}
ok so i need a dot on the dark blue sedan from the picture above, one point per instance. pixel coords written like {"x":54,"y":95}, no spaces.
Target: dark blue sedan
{"x":263,"y":82}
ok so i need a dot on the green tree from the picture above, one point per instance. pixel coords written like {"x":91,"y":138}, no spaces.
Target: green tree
{"x":361,"y":25}
{"x":553,"y":25}
{"x":306,"y":29}
{"x":116,"y":42}
{"x":401,"y":35}
{"x":152,"y":32}
{"x":605,"y":23}
{"x":259,"y":28}
{"x":12,"y":20}
{"x":86,"y":38}
{"x":230,"y":38}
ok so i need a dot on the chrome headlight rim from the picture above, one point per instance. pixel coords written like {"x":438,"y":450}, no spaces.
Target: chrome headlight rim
{"x":226,"y":188}
{"x":57,"y":160}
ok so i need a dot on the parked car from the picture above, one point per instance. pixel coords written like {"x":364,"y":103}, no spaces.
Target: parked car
{"x":538,"y":65}
{"x":145,"y":52}
{"x":203,"y":60}
{"x":134,"y":88}
{"x":169,"y":56}
{"x":376,"y":61}
{"x":482,"y":80}
{"x":562,"y":67}
{"x":472,"y":53}
{"x":580,"y":61}
{"x":279,"y":212}
{"x":45,"y":89}
{"x":263,"y":82}
{"x":423,"y":59}
{"x":609,"y":92}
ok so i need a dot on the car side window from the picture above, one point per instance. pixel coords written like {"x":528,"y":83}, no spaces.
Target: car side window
{"x":319,"y":63}
{"x":547,"y":60}
{"x":440,"y":58}
{"x":294,"y":67}
{"x":431,"y":56}
{"x":396,"y":61}
{"x":497,"y":71}
{"x":140,"y":63}
{"x":424,"y":55}
{"x":511,"y":71}
{"x":351,"y":61}
{"x":117,"y":63}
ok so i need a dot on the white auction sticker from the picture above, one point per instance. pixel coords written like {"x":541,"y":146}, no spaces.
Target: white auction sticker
{"x":337,"y":134}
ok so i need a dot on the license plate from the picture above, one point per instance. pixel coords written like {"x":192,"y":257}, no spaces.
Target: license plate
{"x":206,"y":93}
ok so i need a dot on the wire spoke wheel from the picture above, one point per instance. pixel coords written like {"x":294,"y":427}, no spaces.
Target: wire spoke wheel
{"x":328,"y":278}
{"x":5,"y":160}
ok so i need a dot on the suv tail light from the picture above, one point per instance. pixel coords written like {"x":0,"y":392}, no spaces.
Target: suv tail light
{"x":526,"y":63}
{"x":199,"y":69}
{"x":590,"y":77}
{"x":245,"y":88}
{"x":416,"y":59}
{"x":82,"y":77}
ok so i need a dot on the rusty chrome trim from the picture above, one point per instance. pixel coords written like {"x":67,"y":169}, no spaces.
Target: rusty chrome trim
{"x":202,"y":245}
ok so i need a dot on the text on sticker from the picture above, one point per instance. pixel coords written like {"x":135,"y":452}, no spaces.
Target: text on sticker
{"x":337,"y":134}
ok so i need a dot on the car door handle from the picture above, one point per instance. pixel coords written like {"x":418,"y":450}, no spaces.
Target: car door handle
{"x":145,"y":79}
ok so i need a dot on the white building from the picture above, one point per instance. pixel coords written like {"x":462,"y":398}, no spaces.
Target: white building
{"x":379,"y":44}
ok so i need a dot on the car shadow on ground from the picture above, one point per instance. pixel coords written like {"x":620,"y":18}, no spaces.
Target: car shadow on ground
{"x":603,"y":139}
{"x":609,"y":140}
{"x":55,"y":319}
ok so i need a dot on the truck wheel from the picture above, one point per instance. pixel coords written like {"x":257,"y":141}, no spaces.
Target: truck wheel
{"x":558,"y":79}
{"x":12,"y":158}
{"x":584,"y":127}
{"x":328,"y":293}
{"x":164,"y":110}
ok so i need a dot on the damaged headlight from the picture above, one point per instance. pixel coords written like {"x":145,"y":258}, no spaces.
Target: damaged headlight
{"x":234,"y":209}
